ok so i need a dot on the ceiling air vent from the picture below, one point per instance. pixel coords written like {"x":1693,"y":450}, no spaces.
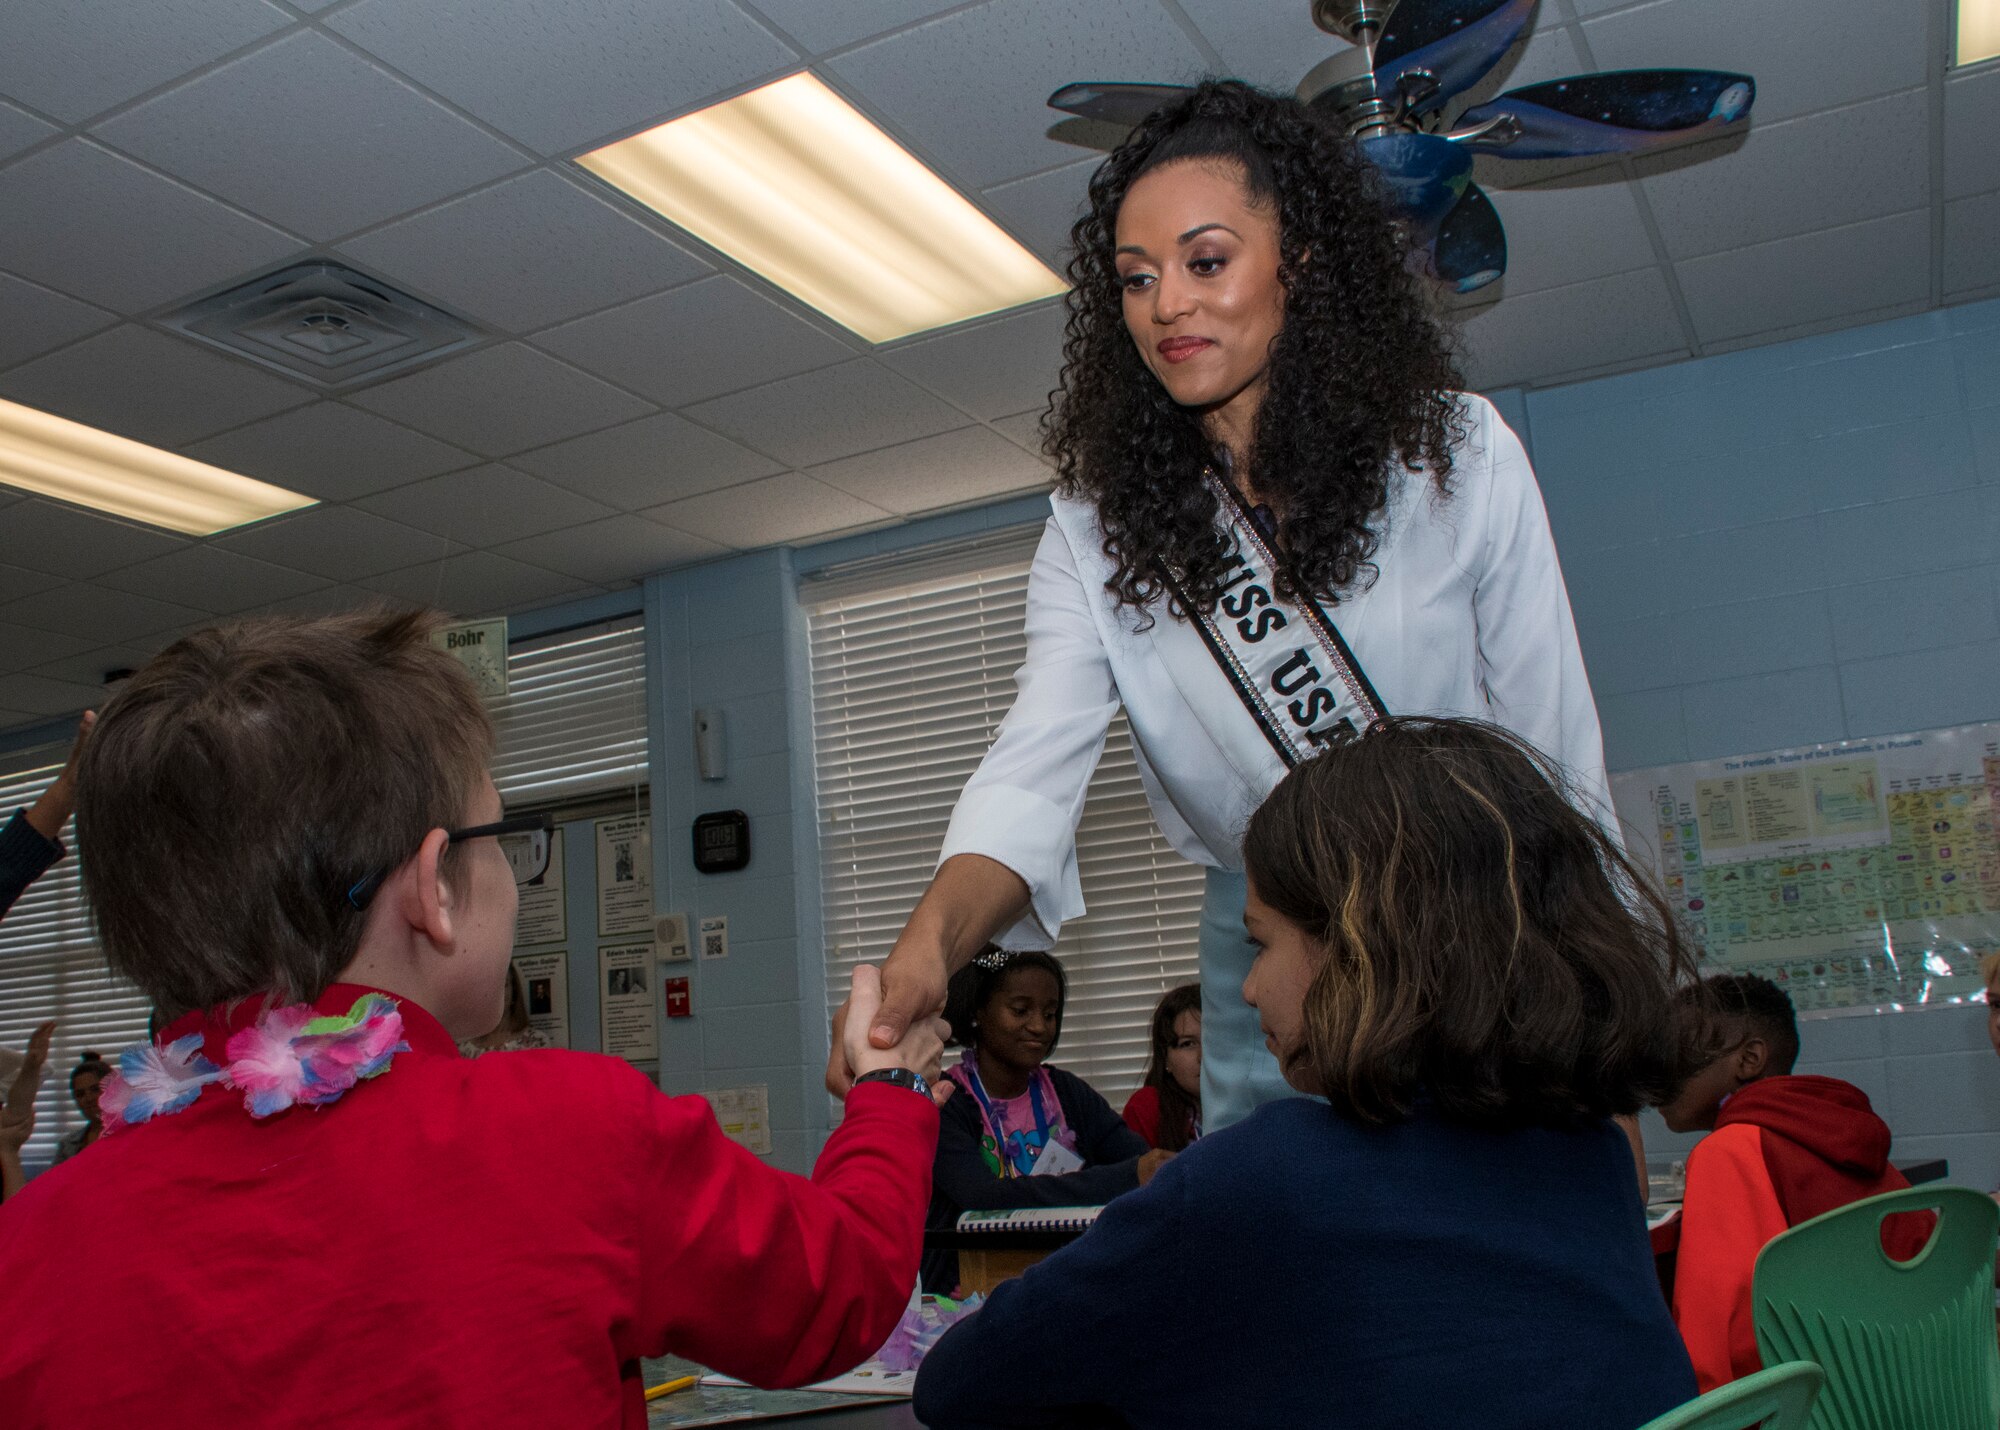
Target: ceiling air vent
{"x":324,"y":322}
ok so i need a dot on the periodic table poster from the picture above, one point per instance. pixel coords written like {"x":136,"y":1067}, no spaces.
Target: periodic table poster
{"x":1860,"y":876}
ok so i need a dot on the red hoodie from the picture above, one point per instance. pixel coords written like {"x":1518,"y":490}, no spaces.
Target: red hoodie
{"x":1784,"y":1150}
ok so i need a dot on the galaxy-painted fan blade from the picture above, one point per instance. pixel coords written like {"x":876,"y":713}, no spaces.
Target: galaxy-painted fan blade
{"x":1471,"y":246}
{"x":1425,"y":175}
{"x":1619,"y":112}
{"x":1454,"y":41}
{"x":1126,"y":104}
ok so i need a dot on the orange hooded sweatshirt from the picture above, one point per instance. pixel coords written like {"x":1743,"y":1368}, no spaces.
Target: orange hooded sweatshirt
{"x":1784,"y":1150}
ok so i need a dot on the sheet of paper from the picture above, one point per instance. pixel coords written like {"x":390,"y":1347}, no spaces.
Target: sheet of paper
{"x":745,"y":1115}
{"x":715,"y":936}
{"x":546,"y":978}
{"x":624,"y":876}
{"x":627,"y":1021}
{"x":543,"y":917}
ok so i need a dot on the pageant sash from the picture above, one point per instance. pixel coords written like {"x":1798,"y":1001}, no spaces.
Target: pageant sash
{"x":1287,"y":663}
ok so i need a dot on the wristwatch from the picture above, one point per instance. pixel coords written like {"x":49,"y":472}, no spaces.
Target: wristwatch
{"x":897,"y":1077}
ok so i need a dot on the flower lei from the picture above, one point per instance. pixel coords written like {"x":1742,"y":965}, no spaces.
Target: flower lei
{"x":290,"y":1055}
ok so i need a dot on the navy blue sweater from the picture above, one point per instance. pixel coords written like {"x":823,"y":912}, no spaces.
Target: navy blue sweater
{"x":24,"y":857}
{"x":1301,"y":1269}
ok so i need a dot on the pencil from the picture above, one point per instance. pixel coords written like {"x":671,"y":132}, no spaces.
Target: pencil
{"x":669,"y":1387}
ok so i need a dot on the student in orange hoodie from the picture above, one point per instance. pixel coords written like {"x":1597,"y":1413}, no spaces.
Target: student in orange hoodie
{"x":1782,"y":1148}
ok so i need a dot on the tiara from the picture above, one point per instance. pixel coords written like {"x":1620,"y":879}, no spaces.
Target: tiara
{"x":992,"y":962}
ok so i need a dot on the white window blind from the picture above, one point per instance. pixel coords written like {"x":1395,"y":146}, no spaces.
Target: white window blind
{"x":912,"y":670}
{"x":573,"y":724}
{"x":574,"y":720}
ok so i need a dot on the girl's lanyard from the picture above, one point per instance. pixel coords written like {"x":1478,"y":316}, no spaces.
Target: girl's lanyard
{"x":996,"y":1124}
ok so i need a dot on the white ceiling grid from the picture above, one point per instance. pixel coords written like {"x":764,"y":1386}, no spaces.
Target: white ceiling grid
{"x":642,"y":402}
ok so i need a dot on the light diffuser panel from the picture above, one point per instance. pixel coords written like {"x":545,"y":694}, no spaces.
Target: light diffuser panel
{"x":795,"y":184}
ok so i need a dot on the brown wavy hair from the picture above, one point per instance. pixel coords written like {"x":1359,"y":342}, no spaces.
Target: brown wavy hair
{"x":1362,"y":378}
{"x":1488,"y":947}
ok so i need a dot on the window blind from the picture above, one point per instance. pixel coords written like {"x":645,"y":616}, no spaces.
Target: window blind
{"x":912,"y":670}
{"x":573,"y":724}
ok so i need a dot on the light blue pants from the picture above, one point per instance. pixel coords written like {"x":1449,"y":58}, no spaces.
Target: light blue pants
{"x":1238,"y":1073}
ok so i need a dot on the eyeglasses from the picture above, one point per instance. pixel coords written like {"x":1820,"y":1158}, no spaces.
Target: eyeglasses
{"x":524,"y":839}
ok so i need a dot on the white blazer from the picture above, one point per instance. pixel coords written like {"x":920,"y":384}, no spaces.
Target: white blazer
{"x":1468,"y":616}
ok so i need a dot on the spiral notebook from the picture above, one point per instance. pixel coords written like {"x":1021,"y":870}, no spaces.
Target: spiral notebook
{"x":1030,"y":1219}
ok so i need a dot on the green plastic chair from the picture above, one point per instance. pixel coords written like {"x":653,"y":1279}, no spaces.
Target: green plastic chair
{"x":1905,"y":1345}
{"x":1776,"y":1399}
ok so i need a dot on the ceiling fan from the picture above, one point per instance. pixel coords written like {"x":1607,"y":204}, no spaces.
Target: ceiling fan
{"x":1393,"y":94}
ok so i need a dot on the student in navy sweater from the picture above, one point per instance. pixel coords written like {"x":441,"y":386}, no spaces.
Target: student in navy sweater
{"x":1468,"y":972}
{"x":1018,"y":1133}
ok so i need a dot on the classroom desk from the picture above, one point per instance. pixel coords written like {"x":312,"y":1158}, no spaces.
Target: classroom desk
{"x":703,"y":1405}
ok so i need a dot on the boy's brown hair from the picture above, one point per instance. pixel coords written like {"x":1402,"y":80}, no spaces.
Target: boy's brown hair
{"x":1488,"y":946}
{"x":251,"y":774}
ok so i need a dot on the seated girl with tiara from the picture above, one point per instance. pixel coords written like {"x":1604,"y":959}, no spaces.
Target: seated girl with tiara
{"x":1466,"y":969}
{"x":1020,"y":1133}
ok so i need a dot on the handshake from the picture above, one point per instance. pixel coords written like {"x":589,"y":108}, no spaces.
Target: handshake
{"x":920,"y":1048}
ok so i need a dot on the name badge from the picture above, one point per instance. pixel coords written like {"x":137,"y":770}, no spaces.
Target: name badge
{"x":1056,"y":1161}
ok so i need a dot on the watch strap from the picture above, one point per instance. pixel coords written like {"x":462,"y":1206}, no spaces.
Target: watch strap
{"x":898,"y":1077}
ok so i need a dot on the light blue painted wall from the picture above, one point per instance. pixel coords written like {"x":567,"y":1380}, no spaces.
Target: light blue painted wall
{"x":1791,"y":544}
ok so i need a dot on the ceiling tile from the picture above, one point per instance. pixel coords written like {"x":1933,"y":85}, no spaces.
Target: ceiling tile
{"x":954,"y":469}
{"x":19,"y":129}
{"x":76,"y":58}
{"x":530,"y":252}
{"x":484,"y":506}
{"x":39,"y":695}
{"x":502,"y":399}
{"x":476,"y":584}
{"x":97,"y":613}
{"x":821,"y":27}
{"x":340,"y":144}
{"x":1796,"y":177}
{"x":63,"y":541}
{"x":559,"y":74}
{"x":644,"y":463}
{"x":615,"y":551}
{"x":1269,"y":45}
{"x":26,"y":647}
{"x":786,"y":508}
{"x":1024,"y":430}
{"x":1971,"y":257}
{"x":1537,"y":337}
{"x":150,"y":387}
{"x":1566,"y":233}
{"x":1539,"y":55}
{"x":19,"y":581}
{"x":99,"y":227}
{"x":326,"y":601}
{"x":209,"y":578}
{"x":1971,"y":122}
{"x":331,"y":451}
{"x":89,"y":663}
{"x":1835,"y":52}
{"x":340,"y":543}
{"x":34,"y":319}
{"x":970,"y":88}
{"x":1041,"y":209}
{"x":1005,"y":365}
{"x":835,"y":412}
{"x":696,"y":342}
{"x":1810,"y":278}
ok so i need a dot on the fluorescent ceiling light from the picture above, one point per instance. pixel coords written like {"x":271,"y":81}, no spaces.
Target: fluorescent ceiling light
{"x":55,"y":457}
{"x":1978,"y":30}
{"x":794,"y":183}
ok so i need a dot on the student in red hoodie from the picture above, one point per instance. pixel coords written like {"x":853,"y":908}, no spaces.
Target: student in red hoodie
{"x":307,"y":1207}
{"x":1783,"y":1149}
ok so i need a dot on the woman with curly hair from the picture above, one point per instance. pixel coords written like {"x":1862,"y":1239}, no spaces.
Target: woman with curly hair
{"x":1277,"y":520}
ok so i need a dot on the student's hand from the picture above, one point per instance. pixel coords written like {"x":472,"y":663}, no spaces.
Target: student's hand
{"x":910,"y":990}
{"x":1152,"y":1162}
{"x":17,"y":1118}
{"x":52,"y":811}
{"x":921,"y":1049}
